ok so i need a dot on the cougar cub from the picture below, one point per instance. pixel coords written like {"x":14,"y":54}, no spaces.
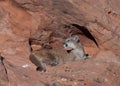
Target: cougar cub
{"x":75,"y":47}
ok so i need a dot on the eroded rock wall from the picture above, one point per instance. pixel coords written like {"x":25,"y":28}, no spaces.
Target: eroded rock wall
{"x":49,"y":22}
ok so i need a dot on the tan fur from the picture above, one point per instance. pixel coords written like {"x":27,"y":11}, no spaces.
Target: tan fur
{"x":52,"y":57}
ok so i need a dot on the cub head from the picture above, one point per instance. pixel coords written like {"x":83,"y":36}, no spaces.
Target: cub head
{"x":71,"y":42}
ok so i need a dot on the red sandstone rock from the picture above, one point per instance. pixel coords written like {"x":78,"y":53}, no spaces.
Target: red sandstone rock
{"x":4,"y":81}
{"x":35,"y":47}
{"x":48,"y":22}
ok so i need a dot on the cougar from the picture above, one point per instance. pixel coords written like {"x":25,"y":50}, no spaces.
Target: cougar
{"x":72,"y":50}
{"x":52,"y":57}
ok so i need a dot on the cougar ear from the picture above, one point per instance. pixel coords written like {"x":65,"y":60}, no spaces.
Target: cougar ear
{"x":70,"y":35}
{"x":76,"y":38}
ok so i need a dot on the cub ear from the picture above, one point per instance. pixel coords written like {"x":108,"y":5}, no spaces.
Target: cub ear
{"x":76,"y":38}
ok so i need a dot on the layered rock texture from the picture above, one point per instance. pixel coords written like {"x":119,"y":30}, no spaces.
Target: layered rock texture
{"x":26,"y":24}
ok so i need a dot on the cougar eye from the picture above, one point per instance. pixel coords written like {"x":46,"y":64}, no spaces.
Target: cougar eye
{"x":68,"y":40}
{"x":66,"y":45}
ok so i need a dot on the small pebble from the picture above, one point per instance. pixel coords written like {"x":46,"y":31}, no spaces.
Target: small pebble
{"x":64,"y":79}
{"x":25,"y":65}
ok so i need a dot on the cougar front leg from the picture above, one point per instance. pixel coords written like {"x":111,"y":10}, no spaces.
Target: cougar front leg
{"x":41,"y":67}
